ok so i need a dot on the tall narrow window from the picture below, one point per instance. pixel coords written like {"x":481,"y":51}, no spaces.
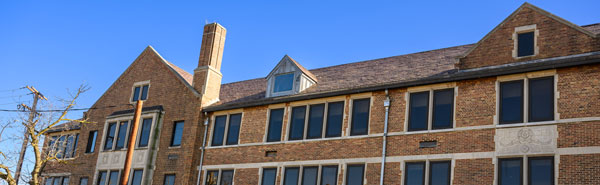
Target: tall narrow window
{"x":65,"y":181}
{"x":291,"y":176}
{"x":137,"y":177}
{"x":443,"y":109}
{"x":355,"y":174}
{"x":335,"y":115}
{"x":61,"y":147}
{"x":177,"y":133}
{"x":510,"y":171}
{"x":113,"y":178}
{"x":219,"y":130}
{"x":415,"y":173}
{"x":541,"y":170}
{"x":360,"y":117}
{"x":310,"y":175}
{"x":145,"y":134}
{"x":439,"y":173}
{"x":110,"y":136}
{"x":140,"y":92}
{"x":315,"y":121}
{"x":233,"y":131}
{"x":71,"y":145}
{"x":541,"y":99}
{"x":227,"y":177}
{"x":212,"y":177}
{"x":83,"y":181}
{"x":144,"y":95}
{"x":511,"y":102}
{"x":418,"y":111}
{"x":526,"y":44}
{"x":122,"y":135}
{"x":91,"y":143}
{"x":102,"y":178}
{"x":169,"y":179}
{"x":268,"y":176}
{"x":283,"y":82}
{"x":275,"y":121}
{"x":297,"y":123}
{"x":136,"y":92}
{"x":329,"y":175}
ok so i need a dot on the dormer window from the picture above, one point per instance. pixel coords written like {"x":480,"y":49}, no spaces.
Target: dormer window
{"x":288,"y":78}
{"x":525,"y":41}
{"x":283,"y":82}
{"x":140,"y":91}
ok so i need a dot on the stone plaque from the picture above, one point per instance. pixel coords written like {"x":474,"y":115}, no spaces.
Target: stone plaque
{"x":526,"y":140}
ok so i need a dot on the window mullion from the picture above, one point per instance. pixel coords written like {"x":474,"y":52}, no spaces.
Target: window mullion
{"x":324,"y":125}
{"x":526,"y":100}
{"x":430,"y":111}
{"x":226,"y":131}
{"x":426,"y":171}
{"x":306,"y":118}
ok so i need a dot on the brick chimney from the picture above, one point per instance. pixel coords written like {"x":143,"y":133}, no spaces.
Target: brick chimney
{"x":207,"y":77}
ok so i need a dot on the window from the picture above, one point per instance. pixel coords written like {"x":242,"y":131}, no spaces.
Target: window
{"x":119,"y":132}
{"x":283,"y":82}
{"x":226,"y":177}
{"x":212,"y":177}
{"x":233,"y":129}
{"x":511,"y":102}
{"x":177,"y":133}
{"x":57,"y":180}
{"x":60,"y":149}
{"x":439,"y":173}
{"x":110,"y":136}
{"x":329,"y":175}
{"x":540,"y":171}
{"x":91,"y":143}
{"x":309,"y":175}
{"x":122,"y":134}
{"x":140,"y":92}
{"x":268,"y":176}
{"x":291,"y":176}
{"x":360,"y":117}
{"x":335,"y":115}
{"x":297,"y":123}
{"x":169,"y":179}
{"x":64,"y":146}
{"x":313,"y":121}
{"x":226,"y":129}
{"x":540,"y":102}
{"x":83,"y":181}
{"x":355,"y":174}
{"x":145,"y":134}
{"x":441,"y":113}
{"x":101,"y":178}
{"x":541,"y":99}
{"x":414,"y":173}
{"x":510,"y":171}
{"x":275,"y":121}
{"x":113,"y":178}
{"x":219,"y":130}
{"x":525,"y":45}
{"x":137,"y":177}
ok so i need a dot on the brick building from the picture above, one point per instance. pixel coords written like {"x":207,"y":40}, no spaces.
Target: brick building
{"x":521,"y":106}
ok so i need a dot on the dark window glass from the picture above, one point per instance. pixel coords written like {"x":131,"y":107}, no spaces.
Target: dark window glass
{"x":283,"y":82}
{"x":110,"y":136}
{"x":355,"y":174}
{"x":439,"y":173}
{"x":52,"y":145}
{"x":541,"y":171}
{"x":83,"y":181}
{"x":177,"y":133}
{"x":136,"y":94}
{"x":71,"y":145}
{"x":511,"y":102}
{"x":315,"y":121}
{"x":145,"y":135}
{"x":443,"y":108}
{"x":309,"y":175}
{"x":65,"y":181}
{"x":219,"y":130}
{"x":297,"y":124}
{"x":291,"y":176}
{"x":275,"y":121}
{"x":418,"y":112}
{"x":212,"y":177}
{"x":91,"y":143}
{"x":227,"y":177}
{"x":541,"y":99}
{"x":102,"y":178}
{"x":233,"y":132}
{"x":329,"y":175}
{"x":122,"y":135}
{"x":360,"y":117}
{"x":113,"y":178}
{"x":525,"y":44}
{"x":268,"y":176}
{"x":61,"y":147}
{"x":169,"y":179}
{"x":510,"y":171}
{"x":144,"y":92}
{"x":335,"y":114}
{"x":137,"y":177}
{"x":415,"y":173}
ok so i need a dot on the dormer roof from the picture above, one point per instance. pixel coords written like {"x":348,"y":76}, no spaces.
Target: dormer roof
{"x":287,"y":58}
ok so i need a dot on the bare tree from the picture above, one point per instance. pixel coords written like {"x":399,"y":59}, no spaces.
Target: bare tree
{"x":35,"y":130}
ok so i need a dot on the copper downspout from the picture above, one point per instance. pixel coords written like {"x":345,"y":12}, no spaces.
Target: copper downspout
{"x":131,"y":144}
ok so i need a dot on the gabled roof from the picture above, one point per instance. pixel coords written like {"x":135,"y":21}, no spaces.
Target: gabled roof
{"x":302,"y":69}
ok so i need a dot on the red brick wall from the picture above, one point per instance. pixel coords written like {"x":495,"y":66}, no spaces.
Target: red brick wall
{"x":579,"y":169}
{"x":579,"y":134}
{"x":473,"y":171}
{"x":476,"y":102}
{"x":579,"y":89}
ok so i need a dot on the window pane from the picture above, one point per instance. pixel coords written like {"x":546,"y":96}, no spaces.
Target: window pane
{"x":315,"y":121}
{"x":418,"y":111}
{"x":219,"y":130}
{"x":439,"y":173}
{"x":136,"y":94}
{"x":283,"y":82}
{"x":113,"y":179}
{"x":83,"y":181}
{"x":65,"y":181}
{"x":52,"y":145}
{"x":212,"y":177}
{"x":355,"y":174}
{"x":541,"y":171}
{"x":102,"y":178}
{"x":227,"y":177}
{"x":233,"y":132}
{"x":122,"y":135}
{"x":291,"y":176}
{"x":110,"y":136}
{"x":144,"y":92}
{"x":525,"y":45}
{"x":145,"y":135}
{"x":443,"y":108}
{"x":415,"y":173}
{"x":91,"y":143}
{"x":309,"y":175}
{"x":70,"y":146}
{"x":137,"y":177}
{"x":268,"y":176}
{"x":297,"y":124}
{"x":275,"y":120}
{"x":60,"y":147}
{"x":329,"y":175}
{"x":335,"y":113}
{"x":541,"y":99}
{"x":56,"y":180}
{"x":177,"y":133}
{"x":511,"y":102}
{"x":360,"y":117}
{"x":49,"y":181}
{"x":169,"y":179}
{"x":510,"y":171}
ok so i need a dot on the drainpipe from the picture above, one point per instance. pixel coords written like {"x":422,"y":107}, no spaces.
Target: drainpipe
{"x":203,"y":146}
{"x":386,"y":104}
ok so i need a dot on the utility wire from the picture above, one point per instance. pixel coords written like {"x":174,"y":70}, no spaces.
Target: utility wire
{"x":7,"y":90}
{"x":60,"y":110}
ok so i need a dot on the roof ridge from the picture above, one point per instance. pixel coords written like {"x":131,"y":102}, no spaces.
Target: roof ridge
{"x":593,"y":24}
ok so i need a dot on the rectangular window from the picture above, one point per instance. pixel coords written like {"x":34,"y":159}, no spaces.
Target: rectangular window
{"x":315,"y":121}
{"x":283,"y":82}
{"x":212,"y":177}
{"x":145,"y":133}
{"x":525,"y":44}
{"x":355,"y":174}
{"x":360,"y":116}
{"x":541,"y":170}
{"x":65,"y":181}
{"x":177,"y":133}
{"x":335,"y":116}
{"x":418,"y":111}
{"x":291,"y":176}
{"x":329,"y":175}
{"x":233,"y":129}
{"x":309,"y":175}
{"x":101,"y":178}
{"x":61,"y":147}
{"x":414,"y":173}
{"x":110,"y":136}
{"x":297,"y":123}
{"x":113,"y":178}
{"x":275,"y":121}
{"x":439,"y":173}
{"x":169,"y":179}
{"x":137,"y":177}
{"x":268,"y":176}
{"x":510,"y":171}
{"x":122,"y":135}
{"x":219,"y":130}
{"x":83,"y":181}
{"x":91,"y":143}
{"x":443,"y":109}
{"x":71,"y":147}
{"x":226,"y":177}
{"x":511,"y":102}
{"x":140,"y":92}
{"x":541,"y":99}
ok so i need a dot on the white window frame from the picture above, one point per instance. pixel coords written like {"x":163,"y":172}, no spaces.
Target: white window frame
{"x":427,"y":170}
{"x":525,"y":166}
{"x":283,"y":126}
{"x":219,"y":173}
{"x":151,"y":115}
{"x":139,"y":84}
{"x":306,"y":119}
{"x":431,"y":90}
{"x":131,"y":175}
{"x":226,"y":132}
{"x":515,"y":37}
{"x":351,"y":112}
{"x":273,"y":93}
